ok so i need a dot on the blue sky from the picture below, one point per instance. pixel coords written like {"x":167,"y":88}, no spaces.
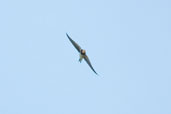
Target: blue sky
{"x":128,"y":43}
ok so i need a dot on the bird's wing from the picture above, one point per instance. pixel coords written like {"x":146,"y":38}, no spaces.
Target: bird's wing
{"x":74,"y":43}
{"x":88,"y":62}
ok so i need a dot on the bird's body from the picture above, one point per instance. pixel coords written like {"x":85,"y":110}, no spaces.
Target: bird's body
{"x":82,"y":53}
{"x":81,"y":58}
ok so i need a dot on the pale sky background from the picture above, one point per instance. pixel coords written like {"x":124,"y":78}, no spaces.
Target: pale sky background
{"x":127,"y":41}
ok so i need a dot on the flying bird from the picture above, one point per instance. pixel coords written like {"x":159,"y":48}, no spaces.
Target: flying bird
{"x":82,"y":53}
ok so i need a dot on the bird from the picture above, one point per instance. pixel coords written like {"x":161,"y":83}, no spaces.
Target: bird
{"x":82,"y":53}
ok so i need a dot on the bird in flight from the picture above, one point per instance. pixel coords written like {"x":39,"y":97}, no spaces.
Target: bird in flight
{"x":82,"y":53}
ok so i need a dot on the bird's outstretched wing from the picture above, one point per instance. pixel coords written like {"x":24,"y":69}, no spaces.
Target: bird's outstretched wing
{"x":74,"y":43}
{"x":88,"y":62}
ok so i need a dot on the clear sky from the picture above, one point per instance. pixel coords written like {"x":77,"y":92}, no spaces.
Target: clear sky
{"x":128,"y":43}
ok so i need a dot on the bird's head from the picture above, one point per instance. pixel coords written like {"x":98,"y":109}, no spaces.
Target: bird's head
{"x":83,"y":52}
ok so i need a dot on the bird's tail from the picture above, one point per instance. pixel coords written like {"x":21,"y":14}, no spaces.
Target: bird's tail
{"x":80,"y":59}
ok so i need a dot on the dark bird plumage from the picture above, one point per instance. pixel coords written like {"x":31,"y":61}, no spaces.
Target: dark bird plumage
{"x":82,"y":53}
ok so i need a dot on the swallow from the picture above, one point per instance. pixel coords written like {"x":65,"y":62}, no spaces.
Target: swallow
{"x":82,"y":53}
